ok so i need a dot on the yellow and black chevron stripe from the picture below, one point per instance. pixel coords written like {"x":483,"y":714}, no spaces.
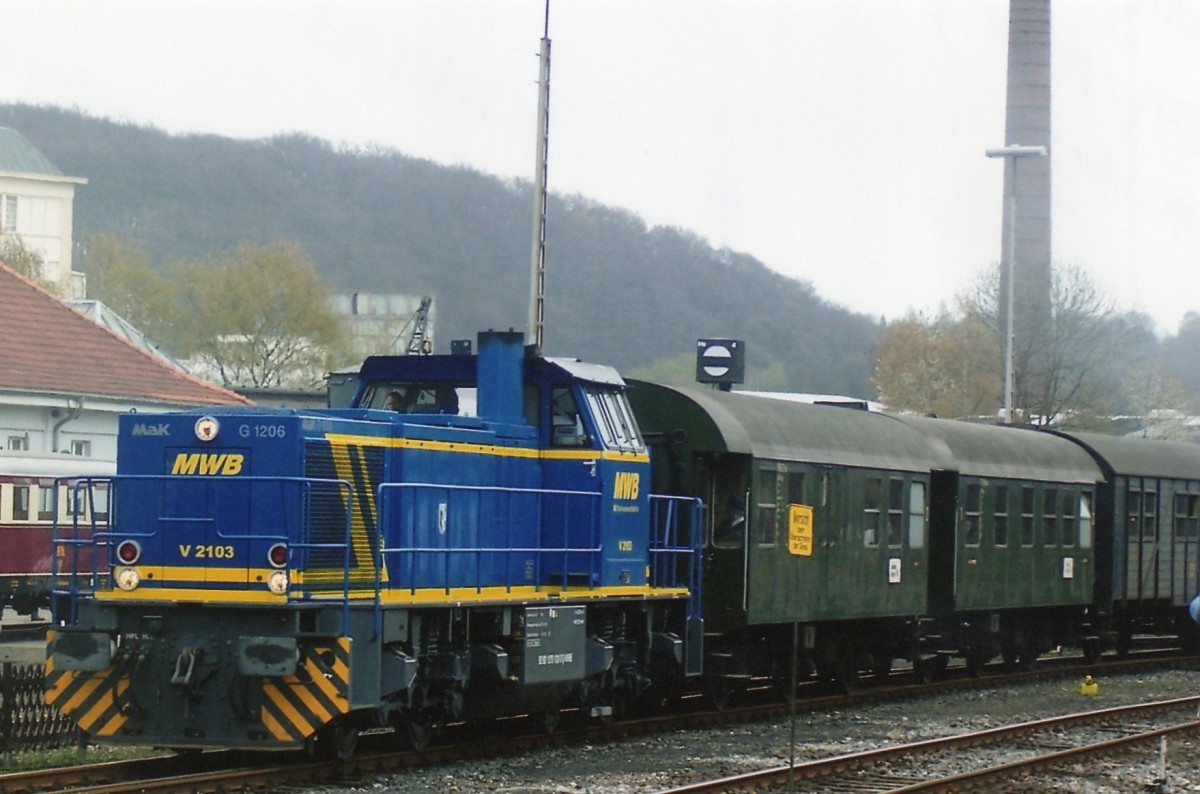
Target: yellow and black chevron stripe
{"x":91,"y":699}
{"x":296,"y":706}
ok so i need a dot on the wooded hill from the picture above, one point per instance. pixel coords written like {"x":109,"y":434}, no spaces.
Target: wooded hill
{"x":618,"y":292}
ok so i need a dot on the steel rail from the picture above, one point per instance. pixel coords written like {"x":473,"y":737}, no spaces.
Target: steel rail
{"x":830,"y":767}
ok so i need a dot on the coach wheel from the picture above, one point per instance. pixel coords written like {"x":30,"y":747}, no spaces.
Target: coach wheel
{"x":718,"y":690}
{"x":883,"y":668}
{"x":975,"y":663}
{"x":931,"y":669}
{"x":848,"y":678}
{"x":1091,"y":651}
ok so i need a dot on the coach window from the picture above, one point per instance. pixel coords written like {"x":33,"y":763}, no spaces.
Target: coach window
{"x":1070,"y":504}
{"x":1186,"y":505}
{"x":795,"y":488}
{"x":766,"y":506}
{"x":1150,"y":515}
{"x":1133,"y":507}
{"x":1050,"y":517}
{"x":871,"y":494}
{"x":1027,"y":502}
{"x":1085,"y":521}
{"x":972,"y":510}
{"x":895,"y":519}
{"x":45,"y":503}
{"x":1000,"y":512}
{"x":916,"y":515}
{"x":99,"y":499}
{"x":20,"y":503}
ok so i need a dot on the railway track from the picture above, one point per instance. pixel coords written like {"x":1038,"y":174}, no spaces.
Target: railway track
{"x":219,"y":771}
{"x":937,"y":765}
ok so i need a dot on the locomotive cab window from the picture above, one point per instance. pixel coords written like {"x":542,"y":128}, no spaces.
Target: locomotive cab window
{"x":613,"y":417}
{"x":566,"y":423}
{"x":417,"y":398}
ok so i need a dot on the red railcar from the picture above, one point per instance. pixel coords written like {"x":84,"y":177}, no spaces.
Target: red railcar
{"x":28,"y":503}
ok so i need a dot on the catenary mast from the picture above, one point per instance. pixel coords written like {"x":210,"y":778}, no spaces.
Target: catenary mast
{"x":537,"y":281}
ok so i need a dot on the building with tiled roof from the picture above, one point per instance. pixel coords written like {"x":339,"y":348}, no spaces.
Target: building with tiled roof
{"x":64,"y":379}
{"x":37,"y":204}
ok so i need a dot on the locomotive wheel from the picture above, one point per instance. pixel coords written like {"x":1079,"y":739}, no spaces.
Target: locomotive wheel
{"x":848,"y":678}
{"x":343,"y":741}
{"x":718,"y":691}
{"x":547,"y":721}
{"x":417,"y":730}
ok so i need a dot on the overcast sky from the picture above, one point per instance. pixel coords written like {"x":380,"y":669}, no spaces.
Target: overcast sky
{"x":839,"y":141}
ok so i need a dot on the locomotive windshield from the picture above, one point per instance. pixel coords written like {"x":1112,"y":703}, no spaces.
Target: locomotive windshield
{"x":614,"y":419}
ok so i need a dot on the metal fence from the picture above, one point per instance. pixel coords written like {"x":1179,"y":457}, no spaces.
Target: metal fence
{"x":26,"y":722}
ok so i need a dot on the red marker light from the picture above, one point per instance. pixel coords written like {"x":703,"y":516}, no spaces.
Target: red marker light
{"x":278,"y":555}
{"x":128,"y":552}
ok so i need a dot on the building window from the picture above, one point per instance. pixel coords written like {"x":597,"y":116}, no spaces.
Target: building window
{"x":81,"y":447}
{"x":18,"y":443}
{"x":8,"y":214}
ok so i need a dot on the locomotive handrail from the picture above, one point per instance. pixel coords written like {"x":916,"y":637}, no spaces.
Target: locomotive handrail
{"x":99,"y":539}
{"x":664,"y":550}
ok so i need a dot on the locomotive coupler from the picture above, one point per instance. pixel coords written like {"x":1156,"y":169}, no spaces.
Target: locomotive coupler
{"x":185,"y":667}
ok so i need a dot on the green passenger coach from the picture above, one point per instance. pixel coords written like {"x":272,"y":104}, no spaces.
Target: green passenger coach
{"x":818,"y":524}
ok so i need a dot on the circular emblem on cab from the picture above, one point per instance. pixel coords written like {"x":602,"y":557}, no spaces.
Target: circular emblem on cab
{"x":207,"y":428}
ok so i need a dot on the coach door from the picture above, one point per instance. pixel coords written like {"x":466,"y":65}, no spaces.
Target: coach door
{"x":724,"y":487}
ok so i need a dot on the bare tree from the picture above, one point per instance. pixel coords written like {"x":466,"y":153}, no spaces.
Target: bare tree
{"x":1061,"y":367}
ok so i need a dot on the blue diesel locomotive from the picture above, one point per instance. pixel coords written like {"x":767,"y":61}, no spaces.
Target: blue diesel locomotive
{"x":474,"y":538}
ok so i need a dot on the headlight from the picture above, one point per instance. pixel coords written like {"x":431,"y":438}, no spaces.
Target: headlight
{"x":277,"y":582}
{"x":128,"y":579}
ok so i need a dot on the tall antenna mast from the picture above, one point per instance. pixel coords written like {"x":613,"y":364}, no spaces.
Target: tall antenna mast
{"x":537,"y":281}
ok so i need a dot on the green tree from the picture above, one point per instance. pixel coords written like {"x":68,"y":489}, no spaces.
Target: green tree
{"x":945,"y":367}
{"x":23,"y":259}
{"x":120,"y":275}
{"x":258,"y":316}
